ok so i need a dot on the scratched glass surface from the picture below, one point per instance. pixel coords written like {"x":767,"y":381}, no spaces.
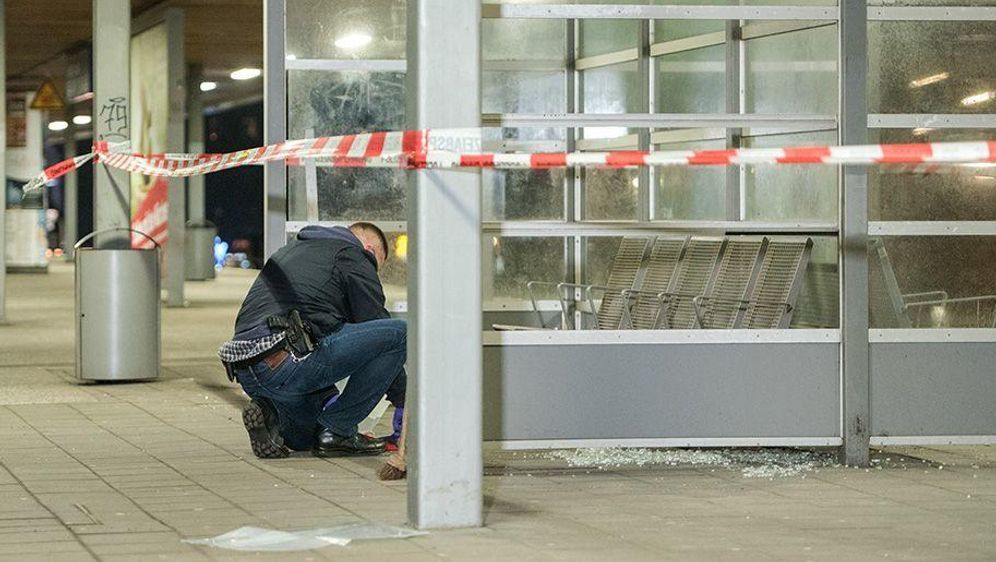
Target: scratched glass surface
{"x":932,"y":282}
{"x":691,"y":193}
{"x":949,"y":193}
{"x":788,"y":193}
{"x":336,"y":103}
{"x":793,"y":72}
{"x":346,"y":29}
{"x":931,"y":67}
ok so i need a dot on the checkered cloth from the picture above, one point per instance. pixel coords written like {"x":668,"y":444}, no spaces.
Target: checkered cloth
{"x":239,"y":350}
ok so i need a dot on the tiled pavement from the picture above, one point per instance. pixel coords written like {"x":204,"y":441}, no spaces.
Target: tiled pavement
{"x":124,"y":471}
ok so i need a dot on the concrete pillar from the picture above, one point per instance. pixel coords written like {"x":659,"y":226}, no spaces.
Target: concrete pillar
{"x":111,"y":119}
{"x":444,"y":275}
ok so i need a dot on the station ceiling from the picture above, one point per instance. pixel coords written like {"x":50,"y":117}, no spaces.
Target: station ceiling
{"x":221,"y":36}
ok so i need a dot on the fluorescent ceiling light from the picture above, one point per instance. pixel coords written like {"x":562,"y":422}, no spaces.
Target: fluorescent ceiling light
{"x":976,"y":99}
{"x":246,"y":73}
{"x":83,"y":119}
{"x":208,"y":86}
{"x":292,"y":56}
{"x":351,"y":41}
{"x":932,"y":79}
{"x":58,"y":126}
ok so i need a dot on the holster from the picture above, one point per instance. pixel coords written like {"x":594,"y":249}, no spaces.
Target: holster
{"x":297,"y":335}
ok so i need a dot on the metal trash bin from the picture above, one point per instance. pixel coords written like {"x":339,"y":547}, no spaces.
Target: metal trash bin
{"x":200,"y":250}
{"x":117,"y":311}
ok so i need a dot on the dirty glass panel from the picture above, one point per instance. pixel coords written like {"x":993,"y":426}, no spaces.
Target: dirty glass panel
{"x":692,"y":81}
{"x":949,"y":193}
{"x":793,"y":72}
{"x":599,"y":37}
{"x":691,"y":192}
{"x":335,"y":103}
{"x":346,"y":29}
{"x":394,"y":274}
{"x":932,"y":282}
{"x":780,"y":193}
{"x":669,"y":30}
{"x":523,"y":92}
{"x":818,"y":304}
{"x":511,"y":262}
{"x":931,"y":67}
{"x":611,"y":194}
{"x":523,"y":194}
{"x":613,"y":89}
{"x":522,"y":40}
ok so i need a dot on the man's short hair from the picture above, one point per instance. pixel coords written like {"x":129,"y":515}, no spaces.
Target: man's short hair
{"x":371,"y":229}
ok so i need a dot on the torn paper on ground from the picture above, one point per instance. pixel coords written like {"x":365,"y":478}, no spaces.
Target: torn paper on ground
{"x":272,"y":540}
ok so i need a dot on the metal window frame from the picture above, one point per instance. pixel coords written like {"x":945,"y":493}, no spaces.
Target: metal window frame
{"x":673,"y":12}
{"x":932,"y":120}
{"x":657,"y":120}
{"x":347,"y":65}
{"x":932,"y":228}
{"x":670,"y":442}
{"x":932,"y":13}
{"x":275,"y":196}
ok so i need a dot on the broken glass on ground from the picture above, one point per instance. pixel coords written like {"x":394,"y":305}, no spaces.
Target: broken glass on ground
{"x":273,"y":540}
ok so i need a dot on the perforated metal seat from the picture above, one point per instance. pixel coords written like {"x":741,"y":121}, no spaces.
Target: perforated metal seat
{"x":659,"y":275}
{"x":777,"y":287}
{"x":720,"y":306}
{"x":691,"y":279}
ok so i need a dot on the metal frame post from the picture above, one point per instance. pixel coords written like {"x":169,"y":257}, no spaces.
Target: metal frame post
{"x":111,"y":119}
{"x":734,"y":104}
{"x":195,"y":143}
{"x":444,"y":279}
{"x":854,"y":360}
{"x":274,"y":125}
{"x":176,"y":219}
{"x":70,"y":197}
{"x":3,"y":164}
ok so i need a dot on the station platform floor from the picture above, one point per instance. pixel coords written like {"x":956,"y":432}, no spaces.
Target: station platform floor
{"x":125,"y":471}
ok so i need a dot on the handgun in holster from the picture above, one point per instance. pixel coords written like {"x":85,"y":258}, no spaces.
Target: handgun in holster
{"x":297,"y":334}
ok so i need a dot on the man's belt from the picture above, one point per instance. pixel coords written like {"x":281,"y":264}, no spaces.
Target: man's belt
{"x":273,"y":358}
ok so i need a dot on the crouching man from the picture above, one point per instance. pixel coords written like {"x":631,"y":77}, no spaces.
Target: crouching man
{"x":314,"y":316}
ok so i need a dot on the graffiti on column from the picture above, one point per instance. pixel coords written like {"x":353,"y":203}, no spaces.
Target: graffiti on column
{"x":114,"y":116}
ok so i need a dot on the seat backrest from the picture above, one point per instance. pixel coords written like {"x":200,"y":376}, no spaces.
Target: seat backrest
{"x":624,"y":275}
{"x":778,"y":283}
{"x":885,"y":301}
{"x":732,"y":282}
{"x":691,"y":278}
{"x":658,"y":277}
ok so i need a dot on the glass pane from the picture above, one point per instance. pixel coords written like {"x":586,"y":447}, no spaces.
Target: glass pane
{"x":394,"y":274}
{"x":613,"y":89}
{"x":802,"y":192}
{"x":818,"y":304}
{"x":606,"y":36}
{"x":335,"y":103}
{"x":523,"y":194}
{"x":692,"y":81}
{"x":932,"y":282}
{"x":611,"y":194}
{"x":691,"y":192}
{"x":668,"y":30}
{"x":346,"y":29}
{"x":950,"y":193}
{"x":931,"y":67}
{"x":513,"y":262}
{"x":793,"y":72}
{"x":599,"y":253}
{"x":523,"y":92}
{"x":524,"y":40}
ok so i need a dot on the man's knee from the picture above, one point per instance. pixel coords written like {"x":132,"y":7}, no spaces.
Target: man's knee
{"x":400,"y":330}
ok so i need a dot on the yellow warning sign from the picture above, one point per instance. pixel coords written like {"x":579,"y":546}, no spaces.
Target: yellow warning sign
{"x":47,"y":97}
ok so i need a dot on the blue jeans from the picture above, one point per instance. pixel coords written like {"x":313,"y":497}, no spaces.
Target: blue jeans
{"x":371,"y":354}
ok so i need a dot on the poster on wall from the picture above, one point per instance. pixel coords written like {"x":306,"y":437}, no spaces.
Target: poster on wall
{"x":17,"y":124}
{"x":150,"y":121}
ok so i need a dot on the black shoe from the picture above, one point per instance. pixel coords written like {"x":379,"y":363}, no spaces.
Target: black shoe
{"x":260,"y":420}
{"x":328,"y":444}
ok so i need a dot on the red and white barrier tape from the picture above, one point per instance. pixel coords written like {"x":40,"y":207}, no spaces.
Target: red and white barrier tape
{"x":461,"y":148}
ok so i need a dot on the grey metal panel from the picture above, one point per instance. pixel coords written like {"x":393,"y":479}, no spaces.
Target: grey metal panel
{"x":933,"y":389}
{"x":650,"y":391}
{"x":3,"y":161}
{"x":176,"y":244}
{"x":519,"y":318}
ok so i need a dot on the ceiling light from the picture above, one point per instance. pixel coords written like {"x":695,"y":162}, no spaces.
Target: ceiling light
{"x":351,"y":41}
{"x":83,"y":119}
{"x":246,"y":73}
{"x":58,"y":126}
{"x":976,"y":99}
{"x":932,"y":79}
{"x":292,"y":56}
{"x":208,"y":86}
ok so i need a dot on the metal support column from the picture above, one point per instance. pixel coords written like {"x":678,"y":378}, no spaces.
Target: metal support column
{"x":111,"y":121}
{"x":176,"y":193}
{"x":70,"y":197}
{"x":3,"y":164}
{"x":195,"y":144}
{"x":853,"y":29}
{"x":444,"y":275}
{"x":734,"y":105}
{"x":274,"y":125}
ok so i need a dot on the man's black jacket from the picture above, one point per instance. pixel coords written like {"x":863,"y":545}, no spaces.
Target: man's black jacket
{"x":325,"y":274}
